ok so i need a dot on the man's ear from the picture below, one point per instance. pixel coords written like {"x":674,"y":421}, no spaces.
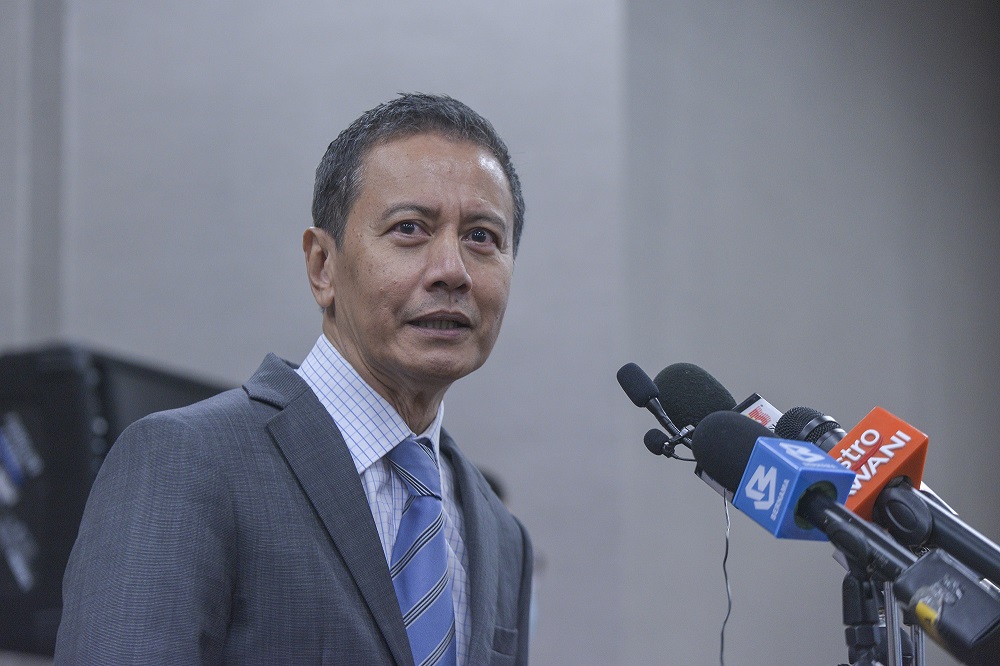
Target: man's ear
{"x":321,"y":253}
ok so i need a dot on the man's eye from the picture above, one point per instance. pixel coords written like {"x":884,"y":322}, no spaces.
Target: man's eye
{"x":408,"y":228}
{"x":482,"y":236}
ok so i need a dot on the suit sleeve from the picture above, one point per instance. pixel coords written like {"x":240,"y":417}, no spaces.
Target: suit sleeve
{"x":150,"y":577}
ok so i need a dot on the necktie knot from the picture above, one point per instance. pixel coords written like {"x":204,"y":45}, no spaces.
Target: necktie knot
{"x":413,"y":459}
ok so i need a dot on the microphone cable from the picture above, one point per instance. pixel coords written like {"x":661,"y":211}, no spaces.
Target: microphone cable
{"x":729,"y":592}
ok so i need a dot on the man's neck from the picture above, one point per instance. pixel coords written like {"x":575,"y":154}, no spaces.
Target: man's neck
{"x":417,"y":405}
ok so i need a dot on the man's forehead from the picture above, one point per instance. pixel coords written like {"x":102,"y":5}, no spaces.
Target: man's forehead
{"x":487,"y":159}
{"x":394,"y":151}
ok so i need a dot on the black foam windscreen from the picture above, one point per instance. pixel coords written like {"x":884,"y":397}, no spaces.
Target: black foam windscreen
{"x":655,"y":440}
{"x":722,"y":444}
{"x":637,"y":385}
{"x":688,"y":394}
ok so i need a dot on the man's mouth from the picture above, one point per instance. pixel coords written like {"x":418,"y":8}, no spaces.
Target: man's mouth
{"x":443,"y":322}
{"x":438,"y":324}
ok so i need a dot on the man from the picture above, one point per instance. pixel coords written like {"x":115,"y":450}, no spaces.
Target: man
{"x":260,"y":526}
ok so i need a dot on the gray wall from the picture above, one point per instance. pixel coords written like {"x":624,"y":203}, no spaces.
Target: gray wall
{"x":800,"y":197}
{"x":813,"y":192}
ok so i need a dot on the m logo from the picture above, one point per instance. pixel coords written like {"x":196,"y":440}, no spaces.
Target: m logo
{"x":761,"y":487}
{"x":807,"y":454}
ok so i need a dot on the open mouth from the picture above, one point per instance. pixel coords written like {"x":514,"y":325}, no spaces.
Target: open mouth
{"x":439,"y":324}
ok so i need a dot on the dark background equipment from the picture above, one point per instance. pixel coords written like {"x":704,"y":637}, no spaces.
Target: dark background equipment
{"x":61,"y":408}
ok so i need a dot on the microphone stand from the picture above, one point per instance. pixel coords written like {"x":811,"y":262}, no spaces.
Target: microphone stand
{"x":871,"y":620}
{"x":871,"y":558}
{"x":902,"y":648}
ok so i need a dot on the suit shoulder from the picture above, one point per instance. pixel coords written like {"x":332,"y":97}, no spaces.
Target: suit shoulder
{"x":269,"y":389}
{"x":228,"y":407}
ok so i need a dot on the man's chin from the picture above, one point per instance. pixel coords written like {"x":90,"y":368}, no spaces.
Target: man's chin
{"x":445,"y":371}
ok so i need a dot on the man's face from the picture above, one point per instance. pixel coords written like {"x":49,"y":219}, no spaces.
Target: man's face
{"x":420,"y":283}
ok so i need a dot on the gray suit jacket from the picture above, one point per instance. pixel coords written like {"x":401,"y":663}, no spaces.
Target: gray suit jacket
{"x":237,"y":531}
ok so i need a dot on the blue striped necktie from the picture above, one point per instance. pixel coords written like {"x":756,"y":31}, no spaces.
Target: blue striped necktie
{"x":419,"y":563}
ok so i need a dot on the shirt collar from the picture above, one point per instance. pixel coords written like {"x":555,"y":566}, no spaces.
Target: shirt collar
{"x":370,"y":425}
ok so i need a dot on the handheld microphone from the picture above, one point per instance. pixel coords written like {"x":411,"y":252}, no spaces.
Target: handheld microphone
{"x":879,"y":449}
{"x":914,"y":517}
{"x":767,"y":477}
{"x":725,"y":443}
{"x":810,"y":425}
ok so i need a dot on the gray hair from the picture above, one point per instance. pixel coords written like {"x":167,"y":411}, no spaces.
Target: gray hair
{"x":338,"y":176}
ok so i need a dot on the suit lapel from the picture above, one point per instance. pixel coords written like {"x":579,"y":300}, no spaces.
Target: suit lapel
{"x":329,"y":479}
{"x":481,"y":543}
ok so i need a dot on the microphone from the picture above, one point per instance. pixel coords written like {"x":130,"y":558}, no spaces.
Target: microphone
{"x":739,"y":454}
{"x":775,"y":481}
{"x":915,"y":518}
{"x":641,"y":390}
{"x":657,"y":442}
{"x":810,"y":425}
{"x":689,"y":393}
{"x":879,"y":449}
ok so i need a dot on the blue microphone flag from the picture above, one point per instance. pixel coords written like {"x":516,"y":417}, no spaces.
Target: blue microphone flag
{"x":778,"y":474}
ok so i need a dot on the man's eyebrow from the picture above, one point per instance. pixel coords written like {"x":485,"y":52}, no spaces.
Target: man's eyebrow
{"x":489,"y":217}
{"x":425,"y":211}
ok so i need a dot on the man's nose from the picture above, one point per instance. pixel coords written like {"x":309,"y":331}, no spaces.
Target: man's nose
{"x":446,"y":267}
